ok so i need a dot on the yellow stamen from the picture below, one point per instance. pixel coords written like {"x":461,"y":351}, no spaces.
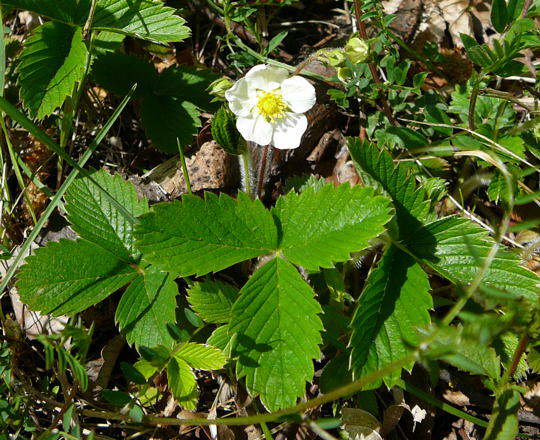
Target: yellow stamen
{"x":271,"y":106}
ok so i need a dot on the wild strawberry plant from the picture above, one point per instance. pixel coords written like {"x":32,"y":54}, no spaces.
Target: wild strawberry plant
{"x":349,"y":287}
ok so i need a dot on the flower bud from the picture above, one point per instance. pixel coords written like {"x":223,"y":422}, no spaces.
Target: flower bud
{"x":219,"y":87}
{"x":357,"y":50}
{"x":332,"y":57}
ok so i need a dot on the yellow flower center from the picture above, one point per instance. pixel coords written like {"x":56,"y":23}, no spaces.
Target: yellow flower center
{"x":271,"y":106}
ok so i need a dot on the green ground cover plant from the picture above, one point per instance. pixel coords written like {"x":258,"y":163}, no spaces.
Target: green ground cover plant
{"x":309,"y":300}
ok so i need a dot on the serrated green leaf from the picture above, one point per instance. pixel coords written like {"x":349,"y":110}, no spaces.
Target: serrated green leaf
{"x":499,"y":15}
{"x":467,"y":353}
{"x":412,"y":206}
{"x":188,"y":83}
{"x":225,"y":133}
{"x":132,"y":374}
{"x":146,"y":368}
{"x":167,"y":121}
{"x":277,"y":328}
{"x":533,"y":358}
{"x":146,"y":307}
{"x":394,"y":304}
{"x":67,"y":11}
{"x":505,"y":346}
{"x":182,"y":383}
{"x":52,"y":62}
{"x":201,"y":357}
{"x":198,"y":236}
{"x":117,"y":398}
{"x":169,"y":101}
{"x":212,"y":300}
{"x":128,"y":70}
{"x":146,"y":19}
{"x":220,"y":338}
{"x":105,"y":42}
{"x":96,"y":219}
{"x":456,"y":248}
{"x":322,"y":227}
{"x":504,"y":424}
{"x":67,"y":277}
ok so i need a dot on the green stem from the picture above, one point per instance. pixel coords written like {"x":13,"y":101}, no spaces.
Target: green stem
{"x":514,"y":362}
{"x":266,"y":431}
{"x":245,"y":163}
{"x":474,"y":98}
{"x":291,"y":413}
{"x":500,"y":111}
{"x":184,"y":167}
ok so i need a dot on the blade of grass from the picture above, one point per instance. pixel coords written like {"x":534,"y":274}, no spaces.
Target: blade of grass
{"x":13,"y":156}
{"x":62,"y":190}
{"x":41,"y":136}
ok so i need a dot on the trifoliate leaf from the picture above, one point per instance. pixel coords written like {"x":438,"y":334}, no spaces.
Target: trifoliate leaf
{"x":456,"y":249}
{"x":201,"y":357}
{"x":393,"y":306}
{"x":277,"y":329}
{"x":66,"y":11}
{"x":198,"y":236}
{"x":213,"y":300}
{"x":504,"y":424}
{"x":182,"y":383}
{"x":96,"y":219}
{"x":168,"y":121}
{"x":146,"y":307}
{"x":323,"y":226}
{"x":146,"y":19}
{"x":412,"y":206}
{"x":67,"y":277}
{"x":52,"y":62}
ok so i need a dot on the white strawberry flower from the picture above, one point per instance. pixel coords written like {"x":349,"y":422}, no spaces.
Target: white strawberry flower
{"x":270,"y":106}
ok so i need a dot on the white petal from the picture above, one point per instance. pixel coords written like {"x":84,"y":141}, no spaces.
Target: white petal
{"x":255,"y":128}
{"x":267,"y":78}
{"x":289,"y":130}
{"x":242,"y":98}
{"x":298,"y":93}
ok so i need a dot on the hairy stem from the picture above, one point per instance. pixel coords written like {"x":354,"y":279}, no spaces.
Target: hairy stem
{"x":265,"y":163}
{"x":522,"y":346}
{"x":245,"y":165}
{"x":281,"y":415}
